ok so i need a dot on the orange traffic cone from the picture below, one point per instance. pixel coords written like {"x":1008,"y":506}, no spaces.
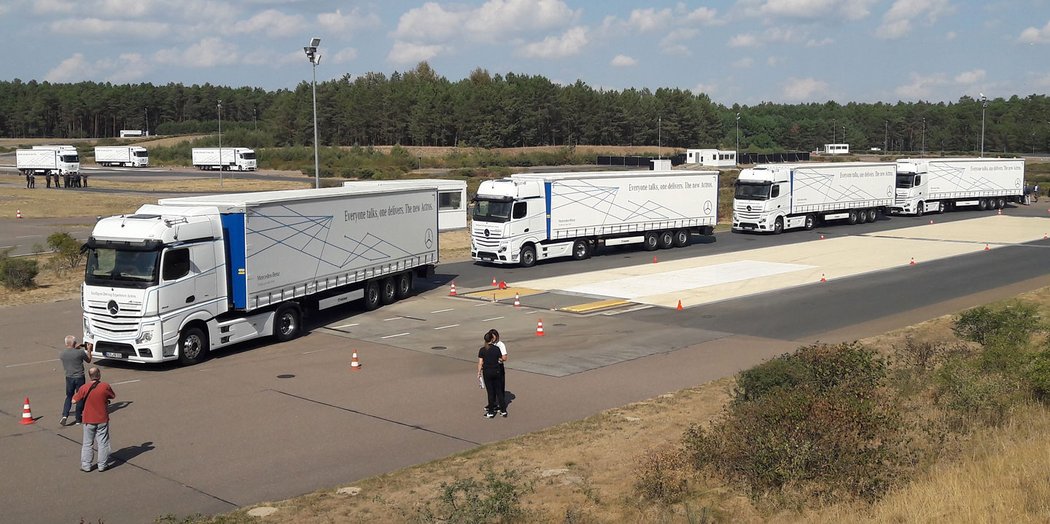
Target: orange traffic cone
{"x":822,"y":237}
{"x":452,"y":290}
{"x":1000,"y":212}
{"x":1044,"y":236}
{"x":503,"y":284}
{"x":931,"y":220}
{"x":355,"y":365}
{"x":986,"y":248}
{"x":539,"y":328}
{"x":27,"y":414}
{"x":679,"y":308}
{"x":494,"y":282}
{"x":517,"y":301}
{"x":654,"y":259}
{"x":18,"y":213}
{"x":912,"y":263}
{"x":822,"y":279}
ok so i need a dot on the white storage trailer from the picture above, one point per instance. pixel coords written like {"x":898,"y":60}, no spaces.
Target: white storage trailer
{"x":48,"y":160}
{"x":226,"y":159}
{"x":176,"y":280}
{"x":532,"y":217}
{"x":775,"y":197}
{"x":452,"y":197}
{"x":927,"y":185}
{"x":126,"y":156}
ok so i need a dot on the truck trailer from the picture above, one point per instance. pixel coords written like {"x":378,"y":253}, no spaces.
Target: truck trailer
{"x":927,"y":185}
{"x":187,"y":276}
{"x":48,"y":160}
{"x":225,"y":159}
{"x":531,"y":217}
{"x":452,"y":197}
{"x":125,"y":156}
{"x":775,"y":197}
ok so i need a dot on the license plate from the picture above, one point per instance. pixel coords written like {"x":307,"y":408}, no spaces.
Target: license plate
{"x":110,"y":354}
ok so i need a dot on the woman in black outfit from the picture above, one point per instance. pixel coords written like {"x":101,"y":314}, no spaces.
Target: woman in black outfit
{"x":490,"y":370}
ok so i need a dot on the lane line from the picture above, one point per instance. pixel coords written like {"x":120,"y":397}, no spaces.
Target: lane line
{"x":30,"y":363}
{"x":483,"y":304}
{"x":314,"y":351}
{"x":346,"y":326}
{"x":394,"y":318}
{"x":491,"y":319}
{"x":443,"y":310}
{"x":395,"y":335}
{"x":448,"y":326}
{"x":127,"y":382}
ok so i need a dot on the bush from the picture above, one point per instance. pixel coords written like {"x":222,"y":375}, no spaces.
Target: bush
{"x":819,"y":421}
{"x":18,"y":273}
{"x":66,"y":248}
{"x":1037,"y":374}
{"x":497,"y":497}
{"x":1009,"y":325}
{"x":973,"y":395}
{"x":662,"y":475}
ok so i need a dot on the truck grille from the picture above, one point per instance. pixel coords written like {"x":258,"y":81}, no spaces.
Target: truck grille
{"x":751,"y":216}
{"x":491,"y":241}
{"x":115,"y":327}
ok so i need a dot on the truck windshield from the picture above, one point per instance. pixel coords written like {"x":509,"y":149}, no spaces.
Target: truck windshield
{"x":492,"y":210}
{"x":70,"y":159}
{"x":248,"y":156}
{"x":905,"y":181}
{"x":752,"y":190}
{"x":141,"y":154}
{"x":121,"y":268}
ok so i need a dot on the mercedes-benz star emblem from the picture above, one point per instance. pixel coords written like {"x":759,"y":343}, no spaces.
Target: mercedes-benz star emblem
{"x":113,"y":307}
{"x":707,"y":207}
{"x":428,"y":240}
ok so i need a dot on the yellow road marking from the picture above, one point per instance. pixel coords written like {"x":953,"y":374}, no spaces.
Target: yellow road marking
{"x":502,"y":294}
{"x":594,"y":306}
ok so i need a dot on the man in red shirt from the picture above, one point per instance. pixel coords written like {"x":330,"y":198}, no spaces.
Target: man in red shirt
{"x":95,"y":397}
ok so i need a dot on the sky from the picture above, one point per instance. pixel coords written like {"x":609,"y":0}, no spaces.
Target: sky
{"x":742,"y":51}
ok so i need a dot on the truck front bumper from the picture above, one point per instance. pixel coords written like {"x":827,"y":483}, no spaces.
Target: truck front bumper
{"x":145,"y":345}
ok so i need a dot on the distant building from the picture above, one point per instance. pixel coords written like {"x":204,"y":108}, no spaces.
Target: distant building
{"x":710,"y":157}
{"x":660,"y":164}
{"x":836,"y":149}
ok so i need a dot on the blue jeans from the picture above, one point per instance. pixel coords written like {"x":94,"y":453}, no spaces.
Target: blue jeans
{"x":72,"y":385}
{"x":97,"y":433}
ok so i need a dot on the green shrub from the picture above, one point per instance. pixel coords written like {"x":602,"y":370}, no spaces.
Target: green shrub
{"x":1037,"y":375}
{"x":972,"y":395}
{"x":1012,"y":324}
{"x":495,"y":498}
{"x":18,"y":273}
{"x":757,"y":382}
{"x":66,"y":248}
{"x":662,"y":475}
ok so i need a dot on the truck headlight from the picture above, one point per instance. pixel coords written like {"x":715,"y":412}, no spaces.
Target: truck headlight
{"x":502,"y":249}
{"x":146,"y":335}
{"x":87,"y":328}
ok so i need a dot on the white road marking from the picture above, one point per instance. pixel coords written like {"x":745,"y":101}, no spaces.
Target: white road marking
{"x":448,"y":326}
{"x":531,"y":312}
{"x":127,"y":382}
{"x":394,"y":318}
{"x":483,"y":304}
{"x":345,"y":326}
{"x":443,"y":310}
{"x":314,"y":351}
{"x":491,"y":319}
{"x":639,"y":308}
{"x":395,"y":335}
{"x":30,"y":363}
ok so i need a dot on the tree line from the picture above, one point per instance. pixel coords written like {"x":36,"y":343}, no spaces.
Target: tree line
{"x":421,"y":108}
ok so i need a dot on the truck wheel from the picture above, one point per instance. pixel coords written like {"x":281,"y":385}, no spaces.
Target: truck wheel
{"x":580,"y":250}
{"x":681,"y":238}
{"x":388,"y":290}
{"x":666,"y":239}
{"x":404,"y":285}
{"x":853,"y":217}
{"x":651,"y":241}
{"x":288,"y":323}
{"x":982,"y":204}
{"x":372,"y":301}
{"x":873,"y":215}
{"x":920,"y":208}
{"x":811,"y":222}
{"x":1001,"y":203}
{"x":528,"y":256}
{"x":193,"y":346}
{"x":778,"y":226}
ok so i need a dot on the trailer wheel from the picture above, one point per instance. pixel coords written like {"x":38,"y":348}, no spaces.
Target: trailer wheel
{"x":581,"y":249}
{"x":811,"y":222}
{"x":288,"y":323}
{"x":372,"y":301}
{"x":193,"y":346}
{"x":982,"y":204}
{"x":528,"y":256}
{"x":404,"y":285}
{"x":388,"y":290}
{"x":651,"y":241}
{"x":681,"y":238}
{"x":873,"y":215}
{"x":853,"y":217}
{"x":666,"y":239}
{"x":1001,"y":203}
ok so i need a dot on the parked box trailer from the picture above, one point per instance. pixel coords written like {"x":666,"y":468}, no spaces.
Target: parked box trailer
{"x":775,"y":197}
{"x":225,"y":159}
{"x":452,"y":197}
{"x":48,"y":160}
{"x":939,"y":184}
{"x":189,"y":275}
{"x":532,"y":217}
{"x":127,"y":156}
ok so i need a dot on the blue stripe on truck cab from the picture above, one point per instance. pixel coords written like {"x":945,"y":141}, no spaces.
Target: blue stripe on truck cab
{"x":547,"y":191}
{"x":235,"y":242}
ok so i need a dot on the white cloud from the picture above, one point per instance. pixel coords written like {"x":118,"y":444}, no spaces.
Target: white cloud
{"x":569,"y":43}
{"x":950,"y":35}
{"x":773,"y":61}
{"x":819,"y":43}
{"x":127,"y":67}
{"x":409,"y":53}
{"x":897,"y":21}
{"x":55,"y":6}
{"x":674,"y":42}
{"x":744,"y":63}
{"x":786,"y":35}
{"x":99,"y":27}
{"x":650,"y":20}
{"x":337,"y":22}
{"x":431,"y":22}
{"x":348,"y":54}
{"x":208,"y":52}
{"x":123,"y":8}
{"x":744,"y":40}
{"x":803,"y":89}
{"x":267,"y":57}
{"x":702,"y":88}
{"x":1042,"y":80}
{"x":970,"y":77}
{"x":71,"y":69}
{"x":495,"y":20}
{"x":271,"y":22}
{"x":1033,"y":35}
{"x":921,"y":86}
{"x":702,"y":15}
{"x":623,"y":61}
{"x":833,"y":9}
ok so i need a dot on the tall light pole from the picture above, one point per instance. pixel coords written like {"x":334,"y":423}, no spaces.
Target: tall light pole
{"x":659,"y":137}
{"x":221,"y":166}
{"x":255,"y":117}
{"x":145,"y":130}
{"x":886,"y":139}
{"x":315,"y":58}
{"x":984,"y":106}
{"x":738,"y":138}
{"x":923,"y":137}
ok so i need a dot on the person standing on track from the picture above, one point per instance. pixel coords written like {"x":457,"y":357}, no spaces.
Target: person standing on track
{"x":498,"y":342}
{"x":73,"y":358}
{"x":490,"y":371}
{"x":95,"y":396}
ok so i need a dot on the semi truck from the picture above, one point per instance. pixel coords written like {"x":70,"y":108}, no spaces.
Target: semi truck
{"x":126,"y":156}
{"x":926,"y":185}
{"x":775,"y":197}
{"x":48,"y":160}
{"x":225,"y":159}
{"x":531,"y":217}
{"x":187,"y":276}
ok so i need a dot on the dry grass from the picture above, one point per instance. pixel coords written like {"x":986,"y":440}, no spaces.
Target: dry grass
{"x":440,"y":151}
